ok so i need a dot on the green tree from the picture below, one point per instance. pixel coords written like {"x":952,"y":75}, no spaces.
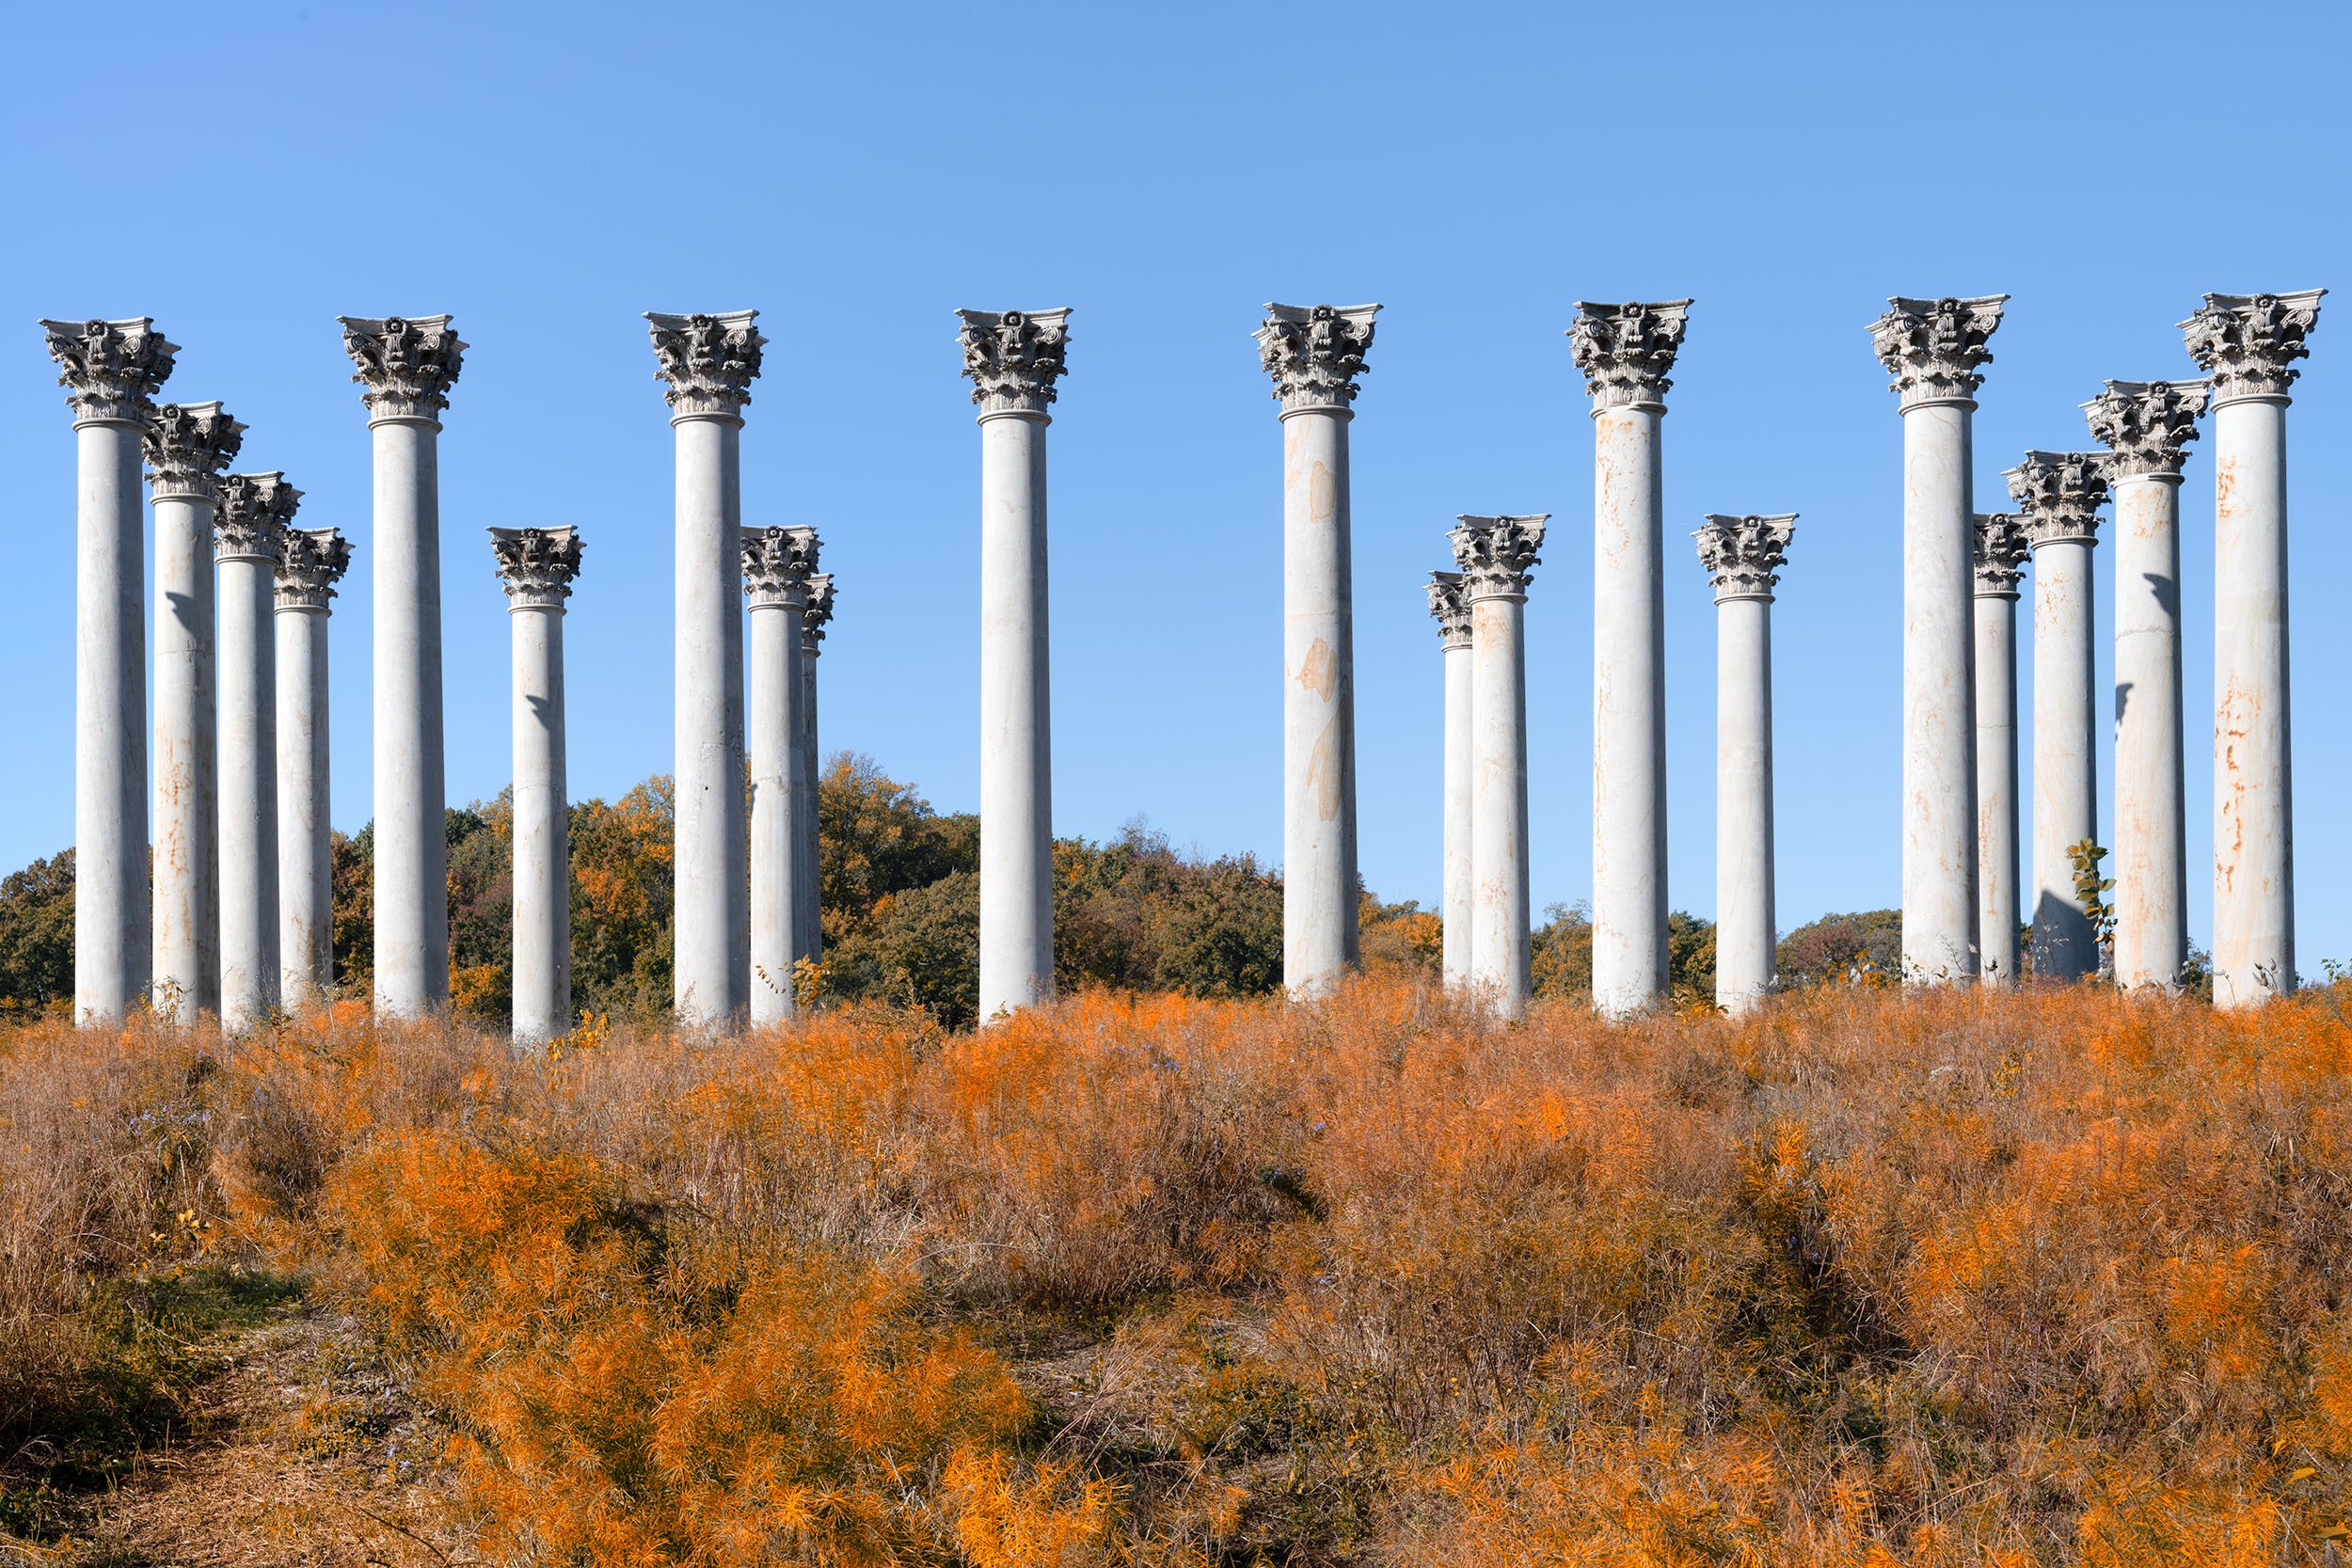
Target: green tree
{"x":1221,"y":933}
{"x":921,"y":947}
{"x":1865,"y":948}
{"x":37,"y":936}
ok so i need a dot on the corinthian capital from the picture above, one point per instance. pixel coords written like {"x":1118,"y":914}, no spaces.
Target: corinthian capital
{"x":2146,"y":425}
{"x":2250,"y":343}
{"x":310,"y":561}
{"x":406,"y":363}
{"x":1013,"y":357}
{"x":188,"y":444}
{"x":1449,"y":606}
{"x":817,"y":611}
{"x":1497,"y":554}
{"x":1932,"y":347}
{"x":2060,"y":493}
{"x":1625,"y":351}
{"x":255,"y":512}
{"x":110,"y":370}
{"x":1314,"y":353}
{"x":536,"y":564}
{"x":1742,"y":554}
{"x":2001,"y":552}
{"x":777,"y":563}
{"x":709,"y":361}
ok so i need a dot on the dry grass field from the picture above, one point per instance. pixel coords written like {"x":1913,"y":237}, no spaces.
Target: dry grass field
{"x":1870,"y":1279}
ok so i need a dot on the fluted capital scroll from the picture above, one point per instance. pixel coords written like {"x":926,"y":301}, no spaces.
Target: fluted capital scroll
{"x":777,"y":565}
{"x":1932,"y":347}
{"x":310,"y":561}
{"x":536,"y":564}
{"x":1014,"y":358}
{"x":110,"y":370}
{"x":2001,"y":553}
{"x":1625,"y":351}
{"x":187,"y":446}
{"x":709,"y":361}
{"x":1450,"y":607}
{"x":407,"y":364}
{"x":1314,"y":353}
{"x":2248,"y":343}
{"x":2060,"y":493}
{"x":255,"y":512}
{"x":1497,"y":555}
{"x":816,"y":612}
{"x":2146,"y":425}
{"x":1744,"y":553}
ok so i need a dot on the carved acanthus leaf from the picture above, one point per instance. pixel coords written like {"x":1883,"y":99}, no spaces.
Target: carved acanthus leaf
{"x":1932,"y":347}
{"x":1744,"y":553}
{"x":111,"y":370}
{"x":777,"y":565}
{"x":1314,"y":353}
{"x":1449,"y":606}
{"x":406,"y":363}
{"x":815,"y":610}
{"x":1625,"y":351}
{"x":2248,"y":343}
{"x":255,"y":512}
{"x":1497,"y":555}
{"x":187,"y":446}
{"x":309,"y":562}
{"x":2061,"y":494}
{"x":2001,"y":553}
{"x":708,"y":360}
{"x":1014,"y":356}
{"x":536,"y":564}
{"x":2146,"y":424}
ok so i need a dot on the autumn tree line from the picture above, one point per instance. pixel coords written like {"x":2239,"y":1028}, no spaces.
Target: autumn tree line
{"x":901,"y":885}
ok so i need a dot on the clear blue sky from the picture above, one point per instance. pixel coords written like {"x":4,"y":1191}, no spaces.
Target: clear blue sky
{"x":246,"y":174}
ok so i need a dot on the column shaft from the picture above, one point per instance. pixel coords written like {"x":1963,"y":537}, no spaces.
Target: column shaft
{"x":1996,"y":787}
{"x":2151,"y":863}
{"x":1460,"y":814}
{"x":248,"y":792}
{"x":111,"y":916}
{"x":411,"y":869}
{"x":1939,"y":860}
{"x":305,"y":868}
{"x":809,"y":939}
{"x":1016,"y":770}
{"x":779,"y":780}
{"x":1628,"y":711}
{"x":543,"y":881}
{"x":187,"y":931}
{"x":1319,"y":870}
{"x":2065,"y":756}
{"x":1499,"y":855}
{"x":713,"y":892}
{"x":1747,"y":957}
{"x":2253,"y":890}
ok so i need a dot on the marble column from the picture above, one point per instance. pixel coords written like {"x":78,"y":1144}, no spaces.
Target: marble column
{"x":1744,"y":556}
{"x":2146,"y":426}
{"x":710,"y":362}
{"x":1453,"y":615}
{"x":2247,"y":345}
{"x":777,"y":563}
{"x":255,"y":510}
{"x":537,"y":566}
{"x":1933,"y":348}
{"x":1014,"y":358}
{"x":2059,"y":495}
{"x":2001,"y":553}
{"x":1625,"y":351}
{"x":110,"y":371}
{"x":406,"y":365}
{"x":1498,"y":555}
{"x":309,"y":562}
{"x":1314,"y":354}
{"x":188,"y":444}
{"x":816,"y":616}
